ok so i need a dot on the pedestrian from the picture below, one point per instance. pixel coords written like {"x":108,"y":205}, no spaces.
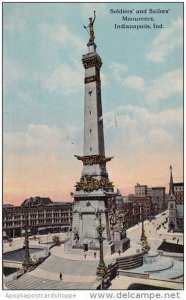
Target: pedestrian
{"x":60,"y":276}
{"x":177,"y":241}
{"x":85,"y":255}
{"x":119,"y":252}
{"x":94,"y":254}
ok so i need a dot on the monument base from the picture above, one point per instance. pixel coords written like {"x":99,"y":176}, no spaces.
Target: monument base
{"x":90,"y":246}
{"x":121,"y":245}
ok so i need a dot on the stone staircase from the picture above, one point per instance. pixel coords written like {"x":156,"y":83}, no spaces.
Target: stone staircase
{"x":155,"y":266}
{"x":130,"y":262}
{"x":174,"y":272}
{"x":30,"y":282}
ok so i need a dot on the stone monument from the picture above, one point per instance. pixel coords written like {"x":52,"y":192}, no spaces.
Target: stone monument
{"x":94,"y":191}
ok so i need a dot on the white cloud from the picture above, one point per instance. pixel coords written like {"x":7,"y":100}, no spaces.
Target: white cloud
{"x":170,"y":117}
{"x":166,"y":41}
{"x":40,"y":139}
{"x":13,"y":71}
{"x":62,"y":35}
{"x":141,"y":131}
{"x":119,"y":70}
{"x":66,"y":79}
{"x":14,"y":24}
{"x":165,"y":86}
{"x":159,"y":136}
{"x":134,"y":82}
{"x":168,"y":84}
{"x":130,"y":81}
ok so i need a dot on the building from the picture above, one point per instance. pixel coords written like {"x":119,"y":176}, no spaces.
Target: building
{"x":179,"y":192}
{"x":43,"y":214}
{"x":180,"y":217}
{"x":140,"y":190}
{"x":132,"y":214}
{"x":129,"y":198}
{"x":119,"y":200}
{"x":146,"y":204}
{"x":157,"y":195}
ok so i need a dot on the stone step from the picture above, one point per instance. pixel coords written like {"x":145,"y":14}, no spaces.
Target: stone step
{"x":30,"y":282}
{"x":126,"y":263}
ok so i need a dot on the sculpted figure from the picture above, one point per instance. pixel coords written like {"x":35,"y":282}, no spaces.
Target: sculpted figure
{"x":76,"y":234}
{"x":90,"y":28}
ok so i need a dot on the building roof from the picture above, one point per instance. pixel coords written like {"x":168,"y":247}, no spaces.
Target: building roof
{"x":8,"y":205}
{"x":36,"y":201}
{"x":140,"y":185}
{"x":59,"y":203}
{"x":178,"y":184}
{"x":171,"y":184}
{"x":158,"y":187}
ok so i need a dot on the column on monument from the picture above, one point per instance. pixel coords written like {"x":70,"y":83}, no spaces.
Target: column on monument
{"x":93,"y":119}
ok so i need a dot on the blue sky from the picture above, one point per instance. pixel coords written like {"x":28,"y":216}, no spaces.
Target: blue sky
{"x":44,"y":95}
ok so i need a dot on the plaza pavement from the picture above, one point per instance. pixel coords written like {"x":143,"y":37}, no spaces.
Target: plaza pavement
{"x":79,"y":266}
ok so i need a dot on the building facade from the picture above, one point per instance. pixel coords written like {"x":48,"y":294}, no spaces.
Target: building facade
{"x":140,"y":190}
{"x":179,"y":192}
{"x":44,"y":216}
{"x":146,"y":203}
{"x":132,"y":214}
{"x":157,"y":195}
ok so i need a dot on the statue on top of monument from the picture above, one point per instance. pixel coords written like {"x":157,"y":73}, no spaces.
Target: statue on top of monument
{"x":91,"y":28}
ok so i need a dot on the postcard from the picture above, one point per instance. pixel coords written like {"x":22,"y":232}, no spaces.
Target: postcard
{"x":92,"y":149}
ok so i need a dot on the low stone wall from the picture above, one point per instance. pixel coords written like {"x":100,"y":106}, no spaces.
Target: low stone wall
{"x":132,"y":274}
{"x":130,"y":262}
{"x":120,"y":266}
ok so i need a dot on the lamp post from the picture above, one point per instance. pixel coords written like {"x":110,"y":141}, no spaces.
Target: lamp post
{"x":143,"y":237}
{"x":27,"y":262}
{"x":101,"y":269}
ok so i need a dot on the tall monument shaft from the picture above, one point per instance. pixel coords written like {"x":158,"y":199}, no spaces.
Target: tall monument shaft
{"x":93,"y":119}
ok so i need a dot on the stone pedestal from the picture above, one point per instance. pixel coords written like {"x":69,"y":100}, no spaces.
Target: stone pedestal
{"x":87,"y":208}
{"x":120,"y":242}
